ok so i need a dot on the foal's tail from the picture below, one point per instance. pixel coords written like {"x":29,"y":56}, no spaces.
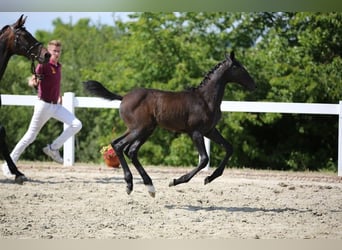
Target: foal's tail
{"x":97,"y":89}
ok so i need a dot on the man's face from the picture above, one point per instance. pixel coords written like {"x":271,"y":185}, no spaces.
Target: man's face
{"x":55,"y":52}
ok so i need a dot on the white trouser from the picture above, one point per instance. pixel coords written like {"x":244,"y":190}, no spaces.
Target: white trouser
{"x":42,"y":113}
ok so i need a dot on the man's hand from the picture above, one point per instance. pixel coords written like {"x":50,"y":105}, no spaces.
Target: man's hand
{"x":33,"y":81}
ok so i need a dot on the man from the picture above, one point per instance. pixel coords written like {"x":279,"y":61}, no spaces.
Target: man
{"x":47,"y":106}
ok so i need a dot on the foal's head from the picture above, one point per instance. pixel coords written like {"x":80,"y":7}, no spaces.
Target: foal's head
{"x":238,"y":73}
{"x":21,"y":42}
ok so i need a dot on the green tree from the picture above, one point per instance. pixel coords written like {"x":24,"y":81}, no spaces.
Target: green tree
{"x":299,"y":61}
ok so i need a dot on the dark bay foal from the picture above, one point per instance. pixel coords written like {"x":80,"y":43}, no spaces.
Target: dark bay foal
{"x":195,"y":112}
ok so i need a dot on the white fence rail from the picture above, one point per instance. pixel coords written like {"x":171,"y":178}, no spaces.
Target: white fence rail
{"x":71,"y":102}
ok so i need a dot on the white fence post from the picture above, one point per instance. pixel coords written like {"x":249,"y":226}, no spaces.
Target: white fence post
{"x":69,"y":145}
{"x":339,"y":162}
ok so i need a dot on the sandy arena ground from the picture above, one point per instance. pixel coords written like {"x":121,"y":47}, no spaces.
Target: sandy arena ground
{"x":87,"y":201}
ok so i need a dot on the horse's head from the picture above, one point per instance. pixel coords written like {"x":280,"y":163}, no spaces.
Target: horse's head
{"x":239,"y":74}
{"x":23,"y":43}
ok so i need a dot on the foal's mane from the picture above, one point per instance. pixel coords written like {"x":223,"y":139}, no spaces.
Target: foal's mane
{"x":207,"y":76}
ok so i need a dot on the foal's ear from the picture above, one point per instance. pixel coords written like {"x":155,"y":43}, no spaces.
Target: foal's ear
{"x":232,"y":55}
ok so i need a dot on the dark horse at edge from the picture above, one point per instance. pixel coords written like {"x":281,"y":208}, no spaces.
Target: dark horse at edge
{"x":194,"y":111}
{"x":16,"y":40}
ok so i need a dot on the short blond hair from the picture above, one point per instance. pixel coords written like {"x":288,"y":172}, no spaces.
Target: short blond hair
{"x":56,"y":43}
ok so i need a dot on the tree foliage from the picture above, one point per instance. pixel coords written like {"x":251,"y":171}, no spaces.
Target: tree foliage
{"x":294,"y":57}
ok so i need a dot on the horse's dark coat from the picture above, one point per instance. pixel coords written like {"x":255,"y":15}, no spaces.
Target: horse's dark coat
{"x":16,"y":40}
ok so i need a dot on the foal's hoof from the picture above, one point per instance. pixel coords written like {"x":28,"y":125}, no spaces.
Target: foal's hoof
{"x":151,"y":190}
{"x":128,"y":191}
{"x":206,"y":180}
{"x":20,"y":179}
{"x":172,"y":183}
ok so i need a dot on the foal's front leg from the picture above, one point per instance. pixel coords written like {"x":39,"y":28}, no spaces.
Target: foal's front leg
{"x":198,"y":139}
{"x":216,"y":137}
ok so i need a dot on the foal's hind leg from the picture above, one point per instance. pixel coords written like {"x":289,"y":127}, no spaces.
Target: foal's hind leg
{"x":124,"y":143}
{"x":118,"y":145}
{"x":198,"y":139}
{"x":216,"y":137}
{"x":19,"y":177}
{"x":133,"y":154}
